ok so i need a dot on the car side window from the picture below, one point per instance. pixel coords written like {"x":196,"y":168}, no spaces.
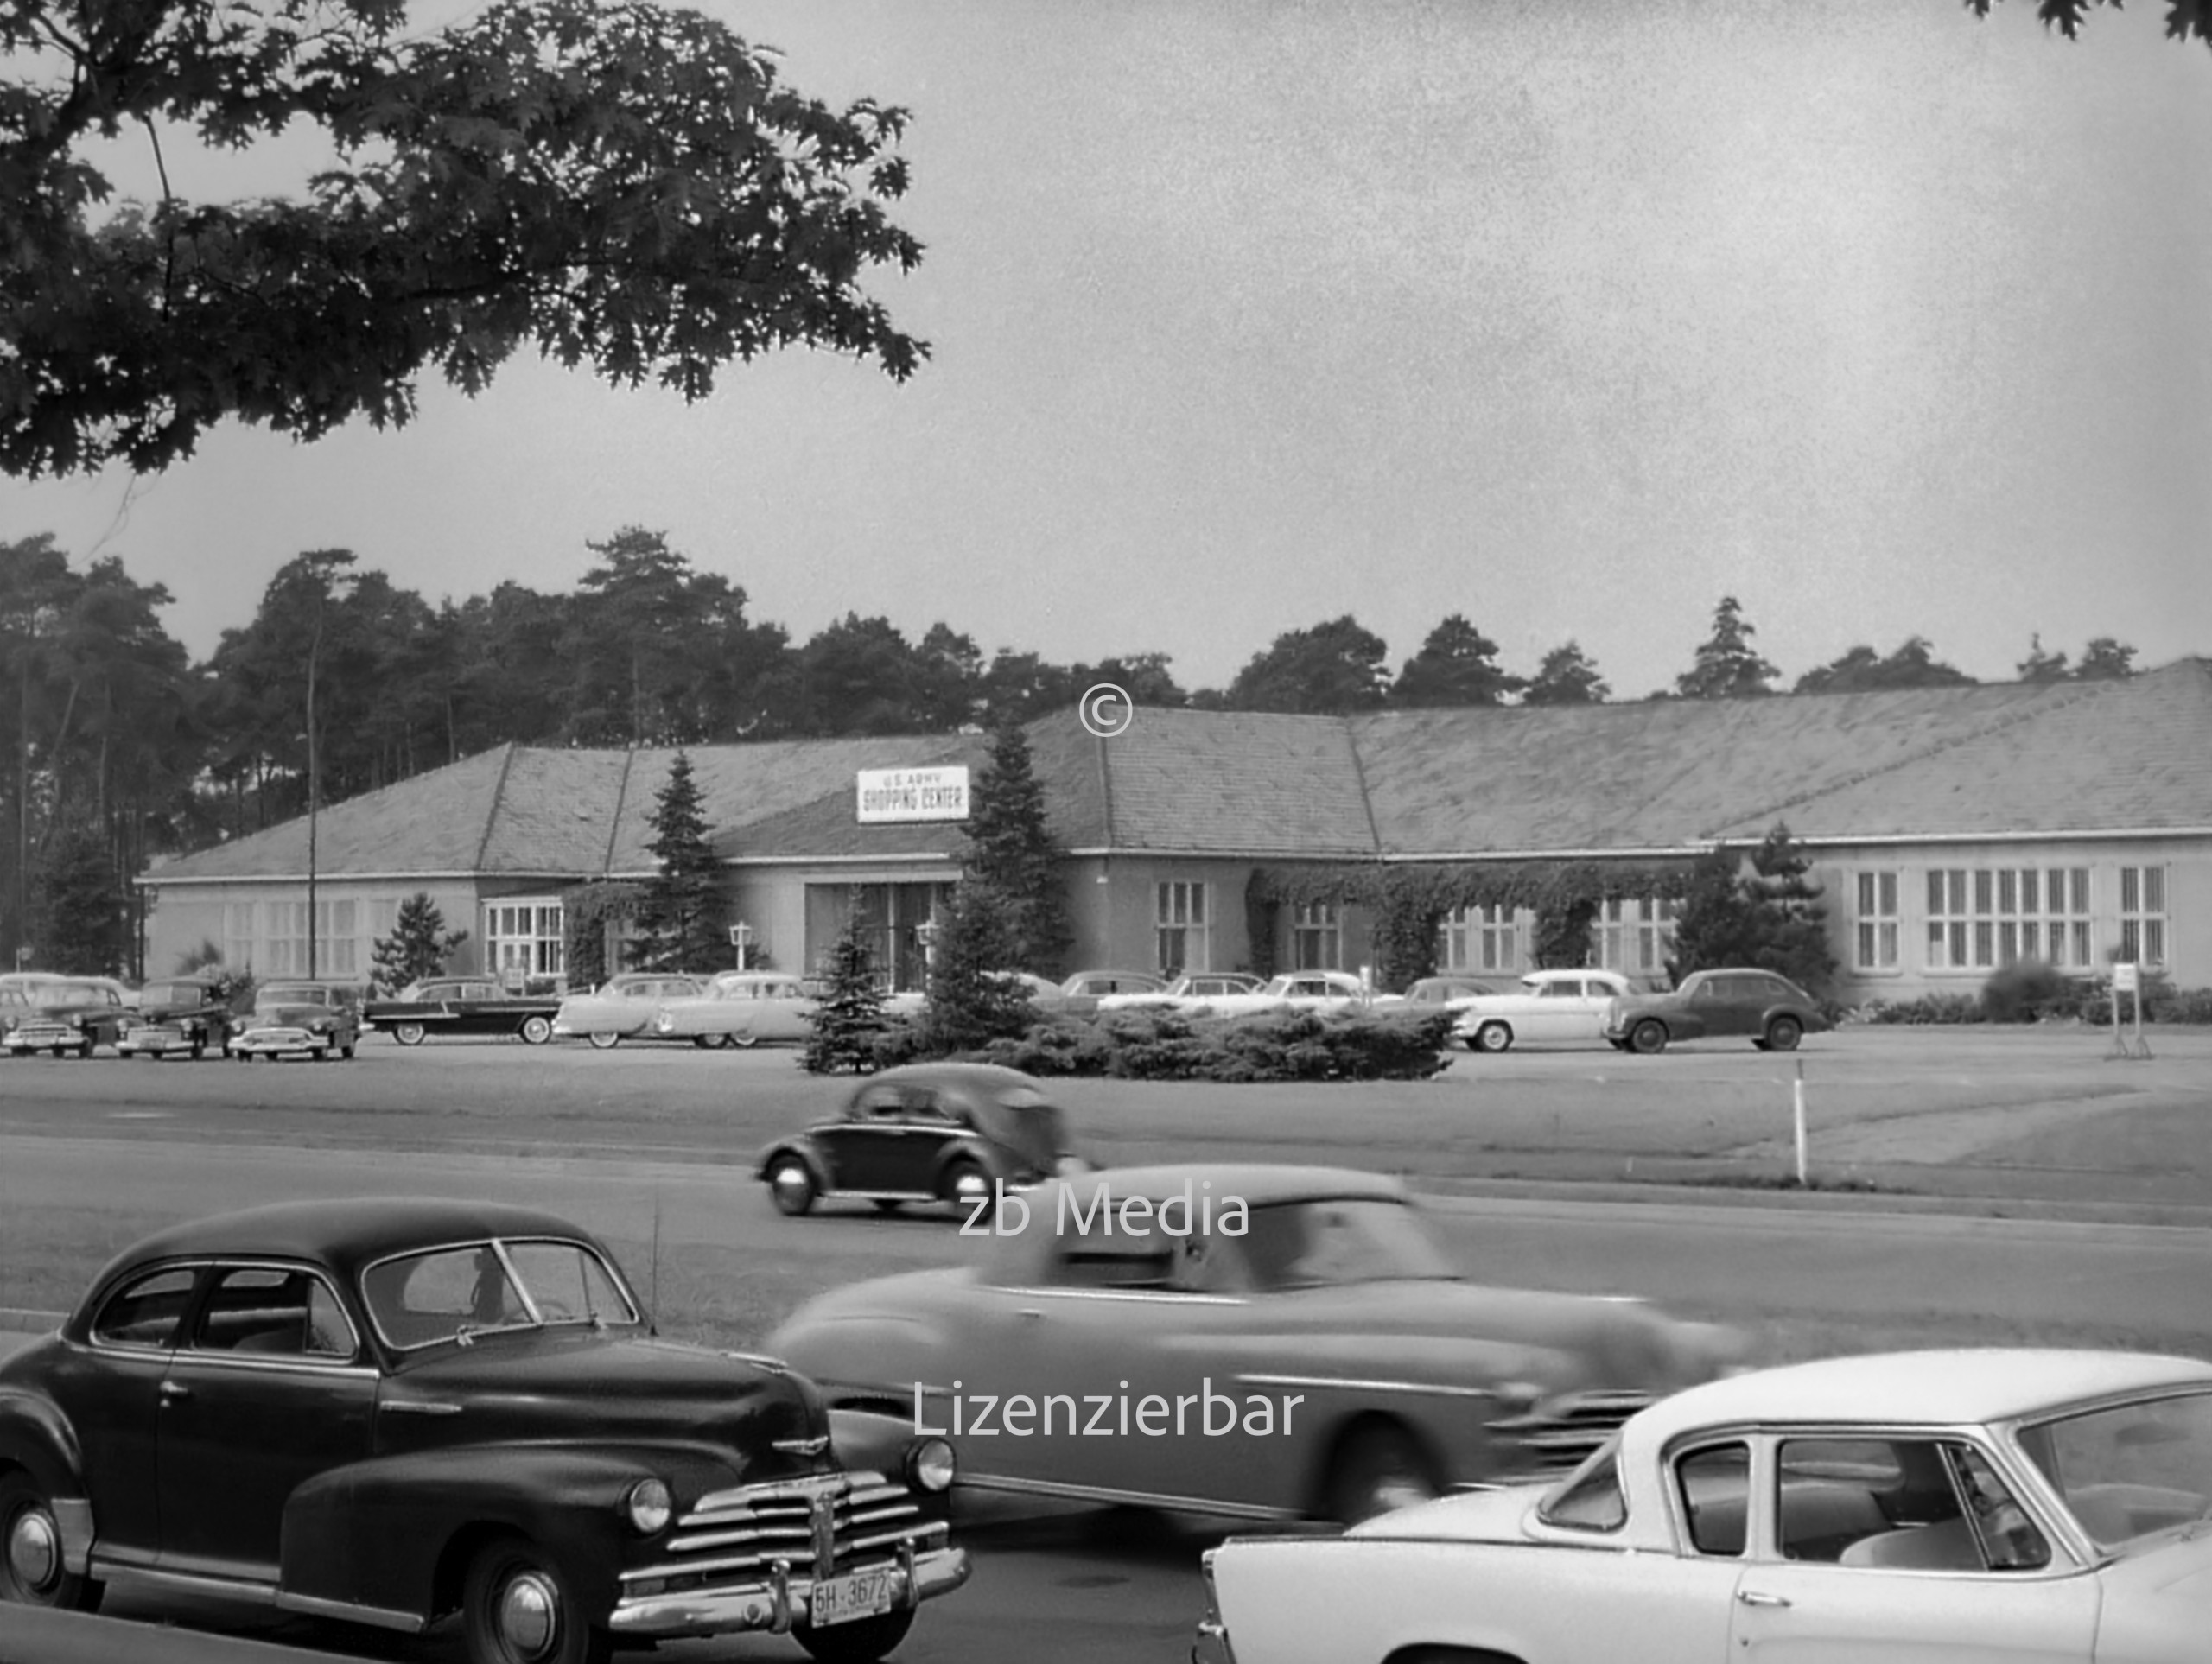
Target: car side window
{"x":144,"y":1312}
{"x":1901,"y":1504}
{"x":1562,"y":990}
{"x":1712,"y":989}
{"x":1593,"y":1501}
{"x":1714,"y":1485}
{"x":1117,"y":1262}
{"x":877,"y":1103}
{"x":273,"y":1312}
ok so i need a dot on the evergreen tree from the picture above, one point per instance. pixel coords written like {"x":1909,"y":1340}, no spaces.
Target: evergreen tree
{"x":2106,"y":659}
{"x":1714,"y":927}
{"x":680,"y":915}
{"x":972,"y":1000}
{"x":77,"y":909}
{"x":418,"y":946}
{"x":2040,"y":666}
{"x":1567,"y":677}
{"x":1010,"y":853}
{"x":840,"y":1035}
{"x":1457,"y":665}
{"x":1770,"y":919}
{"x":1727,"y":667}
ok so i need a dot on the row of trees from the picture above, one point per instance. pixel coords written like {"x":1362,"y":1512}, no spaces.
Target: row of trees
{"x":123,"y":748}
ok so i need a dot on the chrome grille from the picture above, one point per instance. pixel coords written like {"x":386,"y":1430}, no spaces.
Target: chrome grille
{"x":1558,"y":1433}
{"x":732,"y":1536}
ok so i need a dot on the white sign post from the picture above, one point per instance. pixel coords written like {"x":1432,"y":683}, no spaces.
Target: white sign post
{"x":911,"y":794}
{"x":740,"y":938}
{"x":2127,"y":978}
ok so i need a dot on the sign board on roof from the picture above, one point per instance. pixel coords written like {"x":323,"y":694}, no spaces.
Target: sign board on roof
{"x":913,"y":794}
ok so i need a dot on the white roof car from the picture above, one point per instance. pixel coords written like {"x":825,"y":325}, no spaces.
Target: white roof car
{"x":1549,"y":1007}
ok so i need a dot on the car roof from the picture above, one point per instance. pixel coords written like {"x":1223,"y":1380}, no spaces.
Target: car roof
{"x":346,"y":1232}
{"x":991,"y":1078}
{"x":1258,"y":1183}
{"x":1955,"y":1387}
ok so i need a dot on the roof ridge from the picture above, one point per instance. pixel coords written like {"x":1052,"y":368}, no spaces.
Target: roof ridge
{"x":2073,"y":695}
{"x":491,"y":816}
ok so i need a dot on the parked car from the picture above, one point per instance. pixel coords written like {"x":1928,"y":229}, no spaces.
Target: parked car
{"x":1193,"y":988}
{"x":930,"y":1132}
{"x":1770,"y":1008}
{"x":623,"y":1006}
{"x":1993,"y":1504}
{"x":62,"y":1015}
{"x":739,"y":1008}
{"x":1445,"y":991}
{"x":391,"y":1411}
{"x":1308,"y":990}
{"x":462,"y":1005}
{"x":1320,"y":1296}
{"x":185,"y":1013}
{"x":308,"y":1020}
{"x":1082,"y":994}
{"x":1549,"y":1007}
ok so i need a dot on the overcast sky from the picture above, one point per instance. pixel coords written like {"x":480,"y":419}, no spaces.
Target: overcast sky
{"x":1570,"y":316}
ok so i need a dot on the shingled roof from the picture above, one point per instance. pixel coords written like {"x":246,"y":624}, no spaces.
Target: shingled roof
{"x":2122,"y":756}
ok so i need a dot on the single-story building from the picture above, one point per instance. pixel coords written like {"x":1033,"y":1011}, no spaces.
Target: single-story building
{"x":1953,"y":831}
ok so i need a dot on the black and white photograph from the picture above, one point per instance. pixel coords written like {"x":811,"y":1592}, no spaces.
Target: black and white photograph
{"x":1155,"y":832}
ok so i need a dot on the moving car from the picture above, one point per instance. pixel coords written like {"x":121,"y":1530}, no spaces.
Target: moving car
{"x":462,"y":1005}
{"x":1766,"y":1006}
{"x":1262,"y":1342}
{"x":932,"y":1132}
{"x":390,"y":1410}
{"x":62,"y":1015}
{"x":1993,"y":1504}
{"x":308,"y":1020}
{"x":1193,"y":988}
{"x":185,"y":1013}
{"x":623,"y":1006}
{"x":739,"y":1008}
{"x":1549,"y":1007}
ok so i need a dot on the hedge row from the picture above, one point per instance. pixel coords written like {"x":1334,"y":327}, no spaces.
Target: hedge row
{"x":1169,"y":1046}
{"x":2033,"y":992}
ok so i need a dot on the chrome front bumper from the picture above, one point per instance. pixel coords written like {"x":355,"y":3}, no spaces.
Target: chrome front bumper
{"x":776,"y":1605}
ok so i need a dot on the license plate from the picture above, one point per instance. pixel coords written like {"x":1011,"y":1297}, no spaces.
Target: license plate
{"x":854,"y":1595}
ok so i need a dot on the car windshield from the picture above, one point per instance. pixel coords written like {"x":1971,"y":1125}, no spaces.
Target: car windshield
{"x":292,"y":994}
{"x":2131,"y":1471}
{"x":1023,"y":1120}
{"x":172,"y":993}
{"x":1325,"y":1244}
{"x":80,"y":994}
{"x":456,"y":1293}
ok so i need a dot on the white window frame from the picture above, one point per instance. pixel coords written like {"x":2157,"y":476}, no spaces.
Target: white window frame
{"x":1876,"y":926}
{"x":1483,"y":939}
{"x":524,"y":935}
{"x":2144,"y":931}
{"x":337,"y":948}
{"x":1980,"y":919}
{"x":1316,"y":936}
{"x":1183,"y":925}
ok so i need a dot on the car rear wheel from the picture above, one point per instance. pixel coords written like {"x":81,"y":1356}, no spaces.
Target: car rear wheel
{"x":861,"y":1641}
{"x":1647,"y":1036}
{"x":535,"y":1030}
{"x":517,"y":1608}
{"x":1492,"y":1036}
{"x":1783,"y":1033}
{"x":604,"y":1041}
{"x":407,"y":1033}
{"x":792,"y":1186}
{"x":1377,"y":1470}
{"x":31,"y":1569}
{"x":742,"y":1041}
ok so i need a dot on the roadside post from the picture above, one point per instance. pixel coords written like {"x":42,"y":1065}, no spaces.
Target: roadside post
{"x":2127,"y":978}
{"x":1798,"y":1121}
{"x":740,"y":938}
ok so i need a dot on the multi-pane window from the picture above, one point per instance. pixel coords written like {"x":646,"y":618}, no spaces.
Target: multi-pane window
{"x":1980,"y":917}
{"x":337,"y":946}
{"x":1316,"y":936}
{"x":524,"y":938}
{"x":1481,"y":939}
{"x":237,"y":935}
{"x":1181,"y":928}
{"x":1636,"y":938}
{"x":2143,"y":915}
{"x":1875,"y":941}
{"x":1613,"y":934}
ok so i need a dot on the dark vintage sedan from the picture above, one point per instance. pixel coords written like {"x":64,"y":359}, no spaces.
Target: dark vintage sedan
{"x":388,"y":1411}
{"x":185,"y":1014}
{"x":462,"y":1005}
{"x":65,"y":1015}
{"x":307,"y":1020}
{"x":932,"y":1132}
{"x":1763,"y":1006}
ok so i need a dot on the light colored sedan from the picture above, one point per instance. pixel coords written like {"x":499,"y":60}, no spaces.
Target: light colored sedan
{"x":739,"y":1008}
{"x":2000,"y":1503}
{"x":1550,"y":1007}
{"x":622,"y":1006}
{"x":1193,"y":988}
{"x":1307,"y":990}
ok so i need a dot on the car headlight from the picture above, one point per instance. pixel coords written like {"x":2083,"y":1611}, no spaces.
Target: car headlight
{"x":649,"y":1506}
{"x":930,"y":1465}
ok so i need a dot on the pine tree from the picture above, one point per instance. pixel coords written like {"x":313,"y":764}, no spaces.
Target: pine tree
{"x":1770,"y":919}
{"x":972,"y":1000}
{"x":418,"y":946}
{"x":77,"y":906}
{"x":1010,"y":853}
{"x":680,"y":916}
{"x":1727,"y":667}
{"x":842,"y":1034}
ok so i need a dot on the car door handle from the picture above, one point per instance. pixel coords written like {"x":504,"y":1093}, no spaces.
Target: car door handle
{"x":1760,"y":1598}
{"x":174,"y":1391}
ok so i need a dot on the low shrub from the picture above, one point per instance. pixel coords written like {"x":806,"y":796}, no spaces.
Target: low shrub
{"x":2027,"y":993}
{"x":1060,"y":1046}
{"x":1928,"y":1009}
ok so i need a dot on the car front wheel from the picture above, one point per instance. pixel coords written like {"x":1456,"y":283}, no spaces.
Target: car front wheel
{"x":792,"y":1186}
{"x":861,"y":1641}
{"x":535,"y":1030}
{"x":31,"y":1569}
{"x":1647,"y":1036}
{"x":1378,"y":1470}
{"x":407,"y":1033}
{"x":517,"y":1608}
{"x":603,"y":1040}
{"x":1783,"y":1033}
{"x":1492,"y":1037}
